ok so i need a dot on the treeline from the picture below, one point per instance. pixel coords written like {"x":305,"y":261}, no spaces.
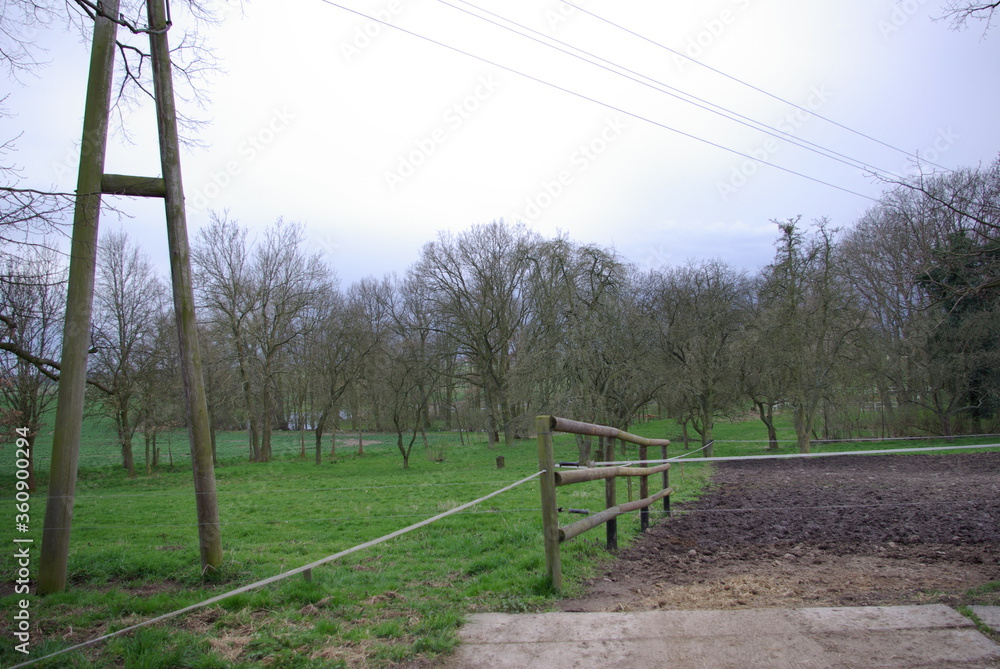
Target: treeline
{"x":890,"y":327}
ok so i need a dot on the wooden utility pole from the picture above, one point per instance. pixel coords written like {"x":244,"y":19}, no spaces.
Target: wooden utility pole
{"x":79,"y":307}
{"x":209,"y":536}
{"x":76,"y":339}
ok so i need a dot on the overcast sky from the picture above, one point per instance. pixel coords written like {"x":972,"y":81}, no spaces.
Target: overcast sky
{"x":377,"y":139}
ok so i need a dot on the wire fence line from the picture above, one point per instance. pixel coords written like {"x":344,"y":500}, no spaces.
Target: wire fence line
{"x":789,"y":456}
{"x":237,"y":449}
{"x":189,"y":493}
{"x":331,"y":519}
{"x":855,"y":439}
{"x":829,"y":507}
{"x":281,"y":576}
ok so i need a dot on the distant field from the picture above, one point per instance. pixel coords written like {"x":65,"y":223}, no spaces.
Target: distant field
{"x":134,"y":553}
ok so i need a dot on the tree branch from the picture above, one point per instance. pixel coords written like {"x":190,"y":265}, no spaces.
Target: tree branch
{"x":42,"y":363}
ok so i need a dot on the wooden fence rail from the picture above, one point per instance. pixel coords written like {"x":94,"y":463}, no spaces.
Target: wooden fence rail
{"x":551,"y":479}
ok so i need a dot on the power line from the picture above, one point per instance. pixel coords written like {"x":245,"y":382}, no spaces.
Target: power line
{"x":675,"y":92}
{"x":745,"y":83}
{"x":596,"y":101}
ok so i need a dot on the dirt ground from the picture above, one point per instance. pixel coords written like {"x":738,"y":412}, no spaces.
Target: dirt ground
{"x":837,"y":531}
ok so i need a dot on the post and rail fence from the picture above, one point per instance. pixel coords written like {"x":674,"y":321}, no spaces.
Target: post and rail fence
{"x":550,"y":479}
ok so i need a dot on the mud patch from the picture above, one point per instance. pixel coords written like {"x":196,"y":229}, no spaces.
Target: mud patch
{"x":843,"y":531}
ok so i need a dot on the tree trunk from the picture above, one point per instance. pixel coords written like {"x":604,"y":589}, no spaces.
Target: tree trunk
{"x":125,"y":438}
{"x":766,"y":412}
{"x":803,"y":428}
{"x":254,"y":431}
{"x":302,"y":438}
{"x":268,"y":420}
{"x":402,"y":450}
{"x":148,"y":438}
{"x":508,"y":420}
{"x":319,"y":429}
{"x":215,"y":451}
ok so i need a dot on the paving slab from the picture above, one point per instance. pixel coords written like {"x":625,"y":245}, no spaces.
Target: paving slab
{"x":990,"y":615}
{"x":889,"y":637}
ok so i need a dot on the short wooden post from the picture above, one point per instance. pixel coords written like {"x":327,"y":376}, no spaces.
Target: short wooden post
{"x":550,"y":516}
{"x":666,"y":480}
{"x":643,"y":491}
{"x":610,"y":496}
{"x":308,"y":575}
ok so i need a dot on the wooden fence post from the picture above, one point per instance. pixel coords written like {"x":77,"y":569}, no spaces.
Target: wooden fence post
{"x":610,"y":496}
{"x":666,"y":480}
{"x":550,"y":517}
{"x":643,"y":491}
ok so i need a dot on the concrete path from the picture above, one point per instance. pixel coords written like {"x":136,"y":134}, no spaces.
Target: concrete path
{"x":886,"y":637}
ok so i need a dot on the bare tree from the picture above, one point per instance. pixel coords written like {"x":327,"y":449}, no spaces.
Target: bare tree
{"x":291,"y":283}
{"x":959,"y":12}
{"x":925,"y":272}
{"x":263,"y":299}
{"x":349,"y":332}
{"x":808,"y":298}
{"x":586,"y":345}
{"x":702,"y":309}
{"x":762,"y":376}
{"x":130,"y":301}
{"x":410,"y":362}
{"x":228,"y":296}
{"x":31,"y":296}
{"x":476,"y":282}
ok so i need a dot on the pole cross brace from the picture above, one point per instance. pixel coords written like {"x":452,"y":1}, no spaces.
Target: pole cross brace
{"x":121,"y":184}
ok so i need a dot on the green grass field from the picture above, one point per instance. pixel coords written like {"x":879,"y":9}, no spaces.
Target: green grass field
{"x":134,"y":550}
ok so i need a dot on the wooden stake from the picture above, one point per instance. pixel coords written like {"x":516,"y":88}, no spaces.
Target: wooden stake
{"x":643,"y":492}
{"x":666,"y":479}
{"x":610,"y":495}
{"x":79,"y":308}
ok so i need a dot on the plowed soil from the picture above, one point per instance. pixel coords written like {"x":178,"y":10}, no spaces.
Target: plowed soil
{"x":836,"y":531}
